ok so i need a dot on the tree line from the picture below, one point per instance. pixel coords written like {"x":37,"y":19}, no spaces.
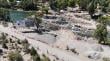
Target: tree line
{"x":87,"y":5}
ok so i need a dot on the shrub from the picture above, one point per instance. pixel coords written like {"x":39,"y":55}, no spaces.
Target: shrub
{"x":33,"y":52}
{"x":25,"y":41}
{"x":4,"y":46}
{"x":101,"y":30}
{"x":106,"y":59}
{"x":3,"y":37}
{"x":25,"y":45}
{"x":18,"y":41}
{"x":5,"y":24}
{"x":15,"y":56}
{"x":36,"y":58}
{"x":26,"y":48}
{"x":1,"y":51}
{"x":45,"y":58}
{"x":5,"y":41}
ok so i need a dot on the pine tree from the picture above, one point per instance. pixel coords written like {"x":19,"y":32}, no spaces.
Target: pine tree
{"x":101,"y":31}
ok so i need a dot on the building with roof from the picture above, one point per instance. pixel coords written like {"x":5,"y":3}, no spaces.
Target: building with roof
{"x":14,"y":15}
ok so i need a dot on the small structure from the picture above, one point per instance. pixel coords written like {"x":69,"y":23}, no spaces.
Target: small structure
{"x":19,"y":18}
{"x":15,"y":15}
{"x":25,"y":23}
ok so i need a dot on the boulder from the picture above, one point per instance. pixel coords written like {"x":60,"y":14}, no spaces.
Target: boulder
{"x":94,"y":55}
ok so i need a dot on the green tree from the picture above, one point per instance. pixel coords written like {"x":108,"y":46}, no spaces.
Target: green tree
{"x":72,"y":3}
{"x":53,"y":5}
{"x":3,"y":14}
{"x":83,"y":4}
{"x":91,"y":7}
{"x":104,"y":5}
{"x":46,"y":9}
{"x":12,"y":3}
{"x":12,"y":0}
{"x":4,"y":4}
{"x":58,"y":4}
{"x":29,"y":4}
{"x":101,"y":31}
{"x":61,"y":4}
{"x":38,"y":21}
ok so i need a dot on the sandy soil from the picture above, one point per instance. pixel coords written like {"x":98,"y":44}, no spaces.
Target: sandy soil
{"x":65,"y":38}
{"x":62,"y":55}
